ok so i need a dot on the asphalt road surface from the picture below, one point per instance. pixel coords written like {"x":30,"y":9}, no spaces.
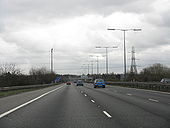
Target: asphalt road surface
{"x":69,"y":106}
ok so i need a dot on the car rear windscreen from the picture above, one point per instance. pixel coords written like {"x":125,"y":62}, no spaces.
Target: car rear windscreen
{"x":99,"y":80}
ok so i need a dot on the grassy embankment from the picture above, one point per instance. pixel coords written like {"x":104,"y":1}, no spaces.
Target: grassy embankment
{"x":14,"y":92}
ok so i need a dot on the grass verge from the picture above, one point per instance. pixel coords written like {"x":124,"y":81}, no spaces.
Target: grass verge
{"x":14,"y":92}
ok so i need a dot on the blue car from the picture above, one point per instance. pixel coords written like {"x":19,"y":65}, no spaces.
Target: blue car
{"x":99,"y":83}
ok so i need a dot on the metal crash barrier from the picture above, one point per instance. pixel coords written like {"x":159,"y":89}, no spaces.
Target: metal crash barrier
{"x":143,"y":85}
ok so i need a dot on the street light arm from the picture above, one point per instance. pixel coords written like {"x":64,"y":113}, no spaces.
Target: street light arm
{"x":98,"y":47}
{"x":115,"y":47}
{"x":113,"y":29}
{"x":137,"y":29}
{"x":107,"y":47}
{"x":110,"y":29}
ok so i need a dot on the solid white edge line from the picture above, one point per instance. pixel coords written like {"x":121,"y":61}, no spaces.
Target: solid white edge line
{"x":85,"y":95}
{"x":107,"y":114}
{"x":22,"y":105}
{"x":153,"y":100}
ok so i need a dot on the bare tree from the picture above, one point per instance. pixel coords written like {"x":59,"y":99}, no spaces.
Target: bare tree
{"x":41,"y":75}
{"x":39,"y":71}
{"x":9,"y":68}
{"x":155,"y":72}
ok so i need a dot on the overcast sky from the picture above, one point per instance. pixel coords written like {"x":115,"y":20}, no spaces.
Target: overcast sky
{"x":30,"y":28}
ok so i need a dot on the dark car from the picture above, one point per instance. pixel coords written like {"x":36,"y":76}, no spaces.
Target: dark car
{"x":68,"y":83}
{"x":79,"y":83}
{"x":99,"y":83}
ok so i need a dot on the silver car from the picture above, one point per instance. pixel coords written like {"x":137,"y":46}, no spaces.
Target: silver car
{"x":165,"y":80}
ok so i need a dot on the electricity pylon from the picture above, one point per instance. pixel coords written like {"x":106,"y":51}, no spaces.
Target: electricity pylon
{"x":133,"y":69}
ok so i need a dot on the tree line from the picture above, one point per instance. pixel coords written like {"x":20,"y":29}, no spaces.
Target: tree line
{"x":153,"y":73}
{"x":11,"y":75}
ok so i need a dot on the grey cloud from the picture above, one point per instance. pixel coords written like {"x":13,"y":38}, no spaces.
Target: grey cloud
{"x":18,"y":15}
{"x":51,"y":8}
{"x":159,"y":19}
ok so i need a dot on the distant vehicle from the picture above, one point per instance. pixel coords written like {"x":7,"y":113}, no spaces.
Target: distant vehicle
{"x":99,"y":83}
{"x":165,"y":80}
{"x":68,"y":83}
{"x":79,"y":83}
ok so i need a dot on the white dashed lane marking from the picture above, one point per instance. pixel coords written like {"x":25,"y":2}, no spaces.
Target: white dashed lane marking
{"x":107,"y":114}
{"x":153,"y":100}
{"x":129,"y":94}
{"x":93,"y":101}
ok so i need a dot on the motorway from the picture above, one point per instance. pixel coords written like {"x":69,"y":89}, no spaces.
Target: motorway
{"x":69,"y":106}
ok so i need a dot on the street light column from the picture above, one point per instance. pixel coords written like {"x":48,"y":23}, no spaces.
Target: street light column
{"x":88,"y":68}
{"x":107,"y":67}
{"x":52,"y":60}
{"x":124,"y":31}
{"x":97,"y":65}
{"x":92,"y":67}
{"x":106,"y":61}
